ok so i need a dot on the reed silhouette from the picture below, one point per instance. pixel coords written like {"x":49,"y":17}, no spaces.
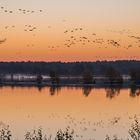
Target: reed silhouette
{"x":5,"y":133}
{"x":134,"y":131}
{"x":65,"y":135}
{"x":68,"y":133}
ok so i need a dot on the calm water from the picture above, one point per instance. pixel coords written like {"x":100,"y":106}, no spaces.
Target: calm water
{"x":92,"y":113}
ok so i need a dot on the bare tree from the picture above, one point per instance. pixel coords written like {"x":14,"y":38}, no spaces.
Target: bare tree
{"x":113,"y":76}
{"x":55,"y":78}
{"x":135,"y":75}
{"x":87,"y":77}
{"x":39,"y":79}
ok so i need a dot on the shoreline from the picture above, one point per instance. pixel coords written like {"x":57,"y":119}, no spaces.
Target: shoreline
{"x":46,"y":84}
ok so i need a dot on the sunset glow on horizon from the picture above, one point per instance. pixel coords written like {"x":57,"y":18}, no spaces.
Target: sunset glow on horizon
{"x":69,"y":30}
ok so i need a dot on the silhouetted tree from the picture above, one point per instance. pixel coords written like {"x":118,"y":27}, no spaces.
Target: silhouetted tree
{"x":55,"y":79}
{"x":87,"y":77}
{"x":135,"y":75}
{"x":1,"y":78}
{"x":52,"y":76}
{"x":12,"y":77}
{"x":39,"y":79}
{"x":113,"y":76}
{"x":70,"y":68}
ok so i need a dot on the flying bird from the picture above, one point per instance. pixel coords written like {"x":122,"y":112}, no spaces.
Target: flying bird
{"x":2,"y":41}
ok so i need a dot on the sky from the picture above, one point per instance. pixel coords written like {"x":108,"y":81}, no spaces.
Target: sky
{"x":69,"y":30}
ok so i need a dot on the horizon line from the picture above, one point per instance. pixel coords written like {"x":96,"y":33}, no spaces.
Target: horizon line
{"x":67,"y":61}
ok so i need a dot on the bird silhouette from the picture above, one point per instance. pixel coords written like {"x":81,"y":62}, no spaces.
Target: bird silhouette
{"x":3,"y":40}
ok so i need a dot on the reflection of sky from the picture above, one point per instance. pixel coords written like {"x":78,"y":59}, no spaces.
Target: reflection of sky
{"x":94,"y":15}
{"x":28,"y":108}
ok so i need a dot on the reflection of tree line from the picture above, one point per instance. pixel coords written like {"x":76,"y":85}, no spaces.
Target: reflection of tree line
{"x":113,"y":81}
{"x":54,"y":90}
{"x":115,"y":91}
{"x":87,"y":90}
{"x":111,"y":92}
{"x":134,"y":91}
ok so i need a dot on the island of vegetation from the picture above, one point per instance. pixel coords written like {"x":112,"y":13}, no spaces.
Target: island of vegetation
{"x":99,"y":73}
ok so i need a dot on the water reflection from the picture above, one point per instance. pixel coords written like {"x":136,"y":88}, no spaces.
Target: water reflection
{"x":87,"y":90}
{"x":134,"y":91}
{"x":39,"y":88}
{"x":54,"y":90}
{"x":112,"y":92}
{"x":87,"y":110}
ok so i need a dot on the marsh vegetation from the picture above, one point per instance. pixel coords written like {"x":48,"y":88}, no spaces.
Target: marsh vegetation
{"x":67,"y":134}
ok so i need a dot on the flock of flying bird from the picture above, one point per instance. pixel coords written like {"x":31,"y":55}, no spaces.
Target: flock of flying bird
{"x":76,"y":36}
{"x":94,"y":39}
{"x":27,"y":28}
{"x":23,"y":11}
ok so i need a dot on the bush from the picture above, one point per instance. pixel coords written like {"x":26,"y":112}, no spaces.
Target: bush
{"x":55,"y":79}
{"x":113,"y":76}
{"x":135,"y":75}
{"x":35,"y":135}
{"x":5,"y":134}
{"x":39,"y":79}
{"x":66,"y":135}
{"x":87,"y":77}
{"x":135,"y":130}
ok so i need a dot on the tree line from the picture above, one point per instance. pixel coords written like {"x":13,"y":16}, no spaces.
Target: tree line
{"x":113,"y":71}
{"x":67,"y":68}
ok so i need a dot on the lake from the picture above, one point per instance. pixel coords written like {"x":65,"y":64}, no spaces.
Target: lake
{"x":93,"y":113}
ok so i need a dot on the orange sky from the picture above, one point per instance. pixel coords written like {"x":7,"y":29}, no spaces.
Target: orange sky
{"x":107,"y":19}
